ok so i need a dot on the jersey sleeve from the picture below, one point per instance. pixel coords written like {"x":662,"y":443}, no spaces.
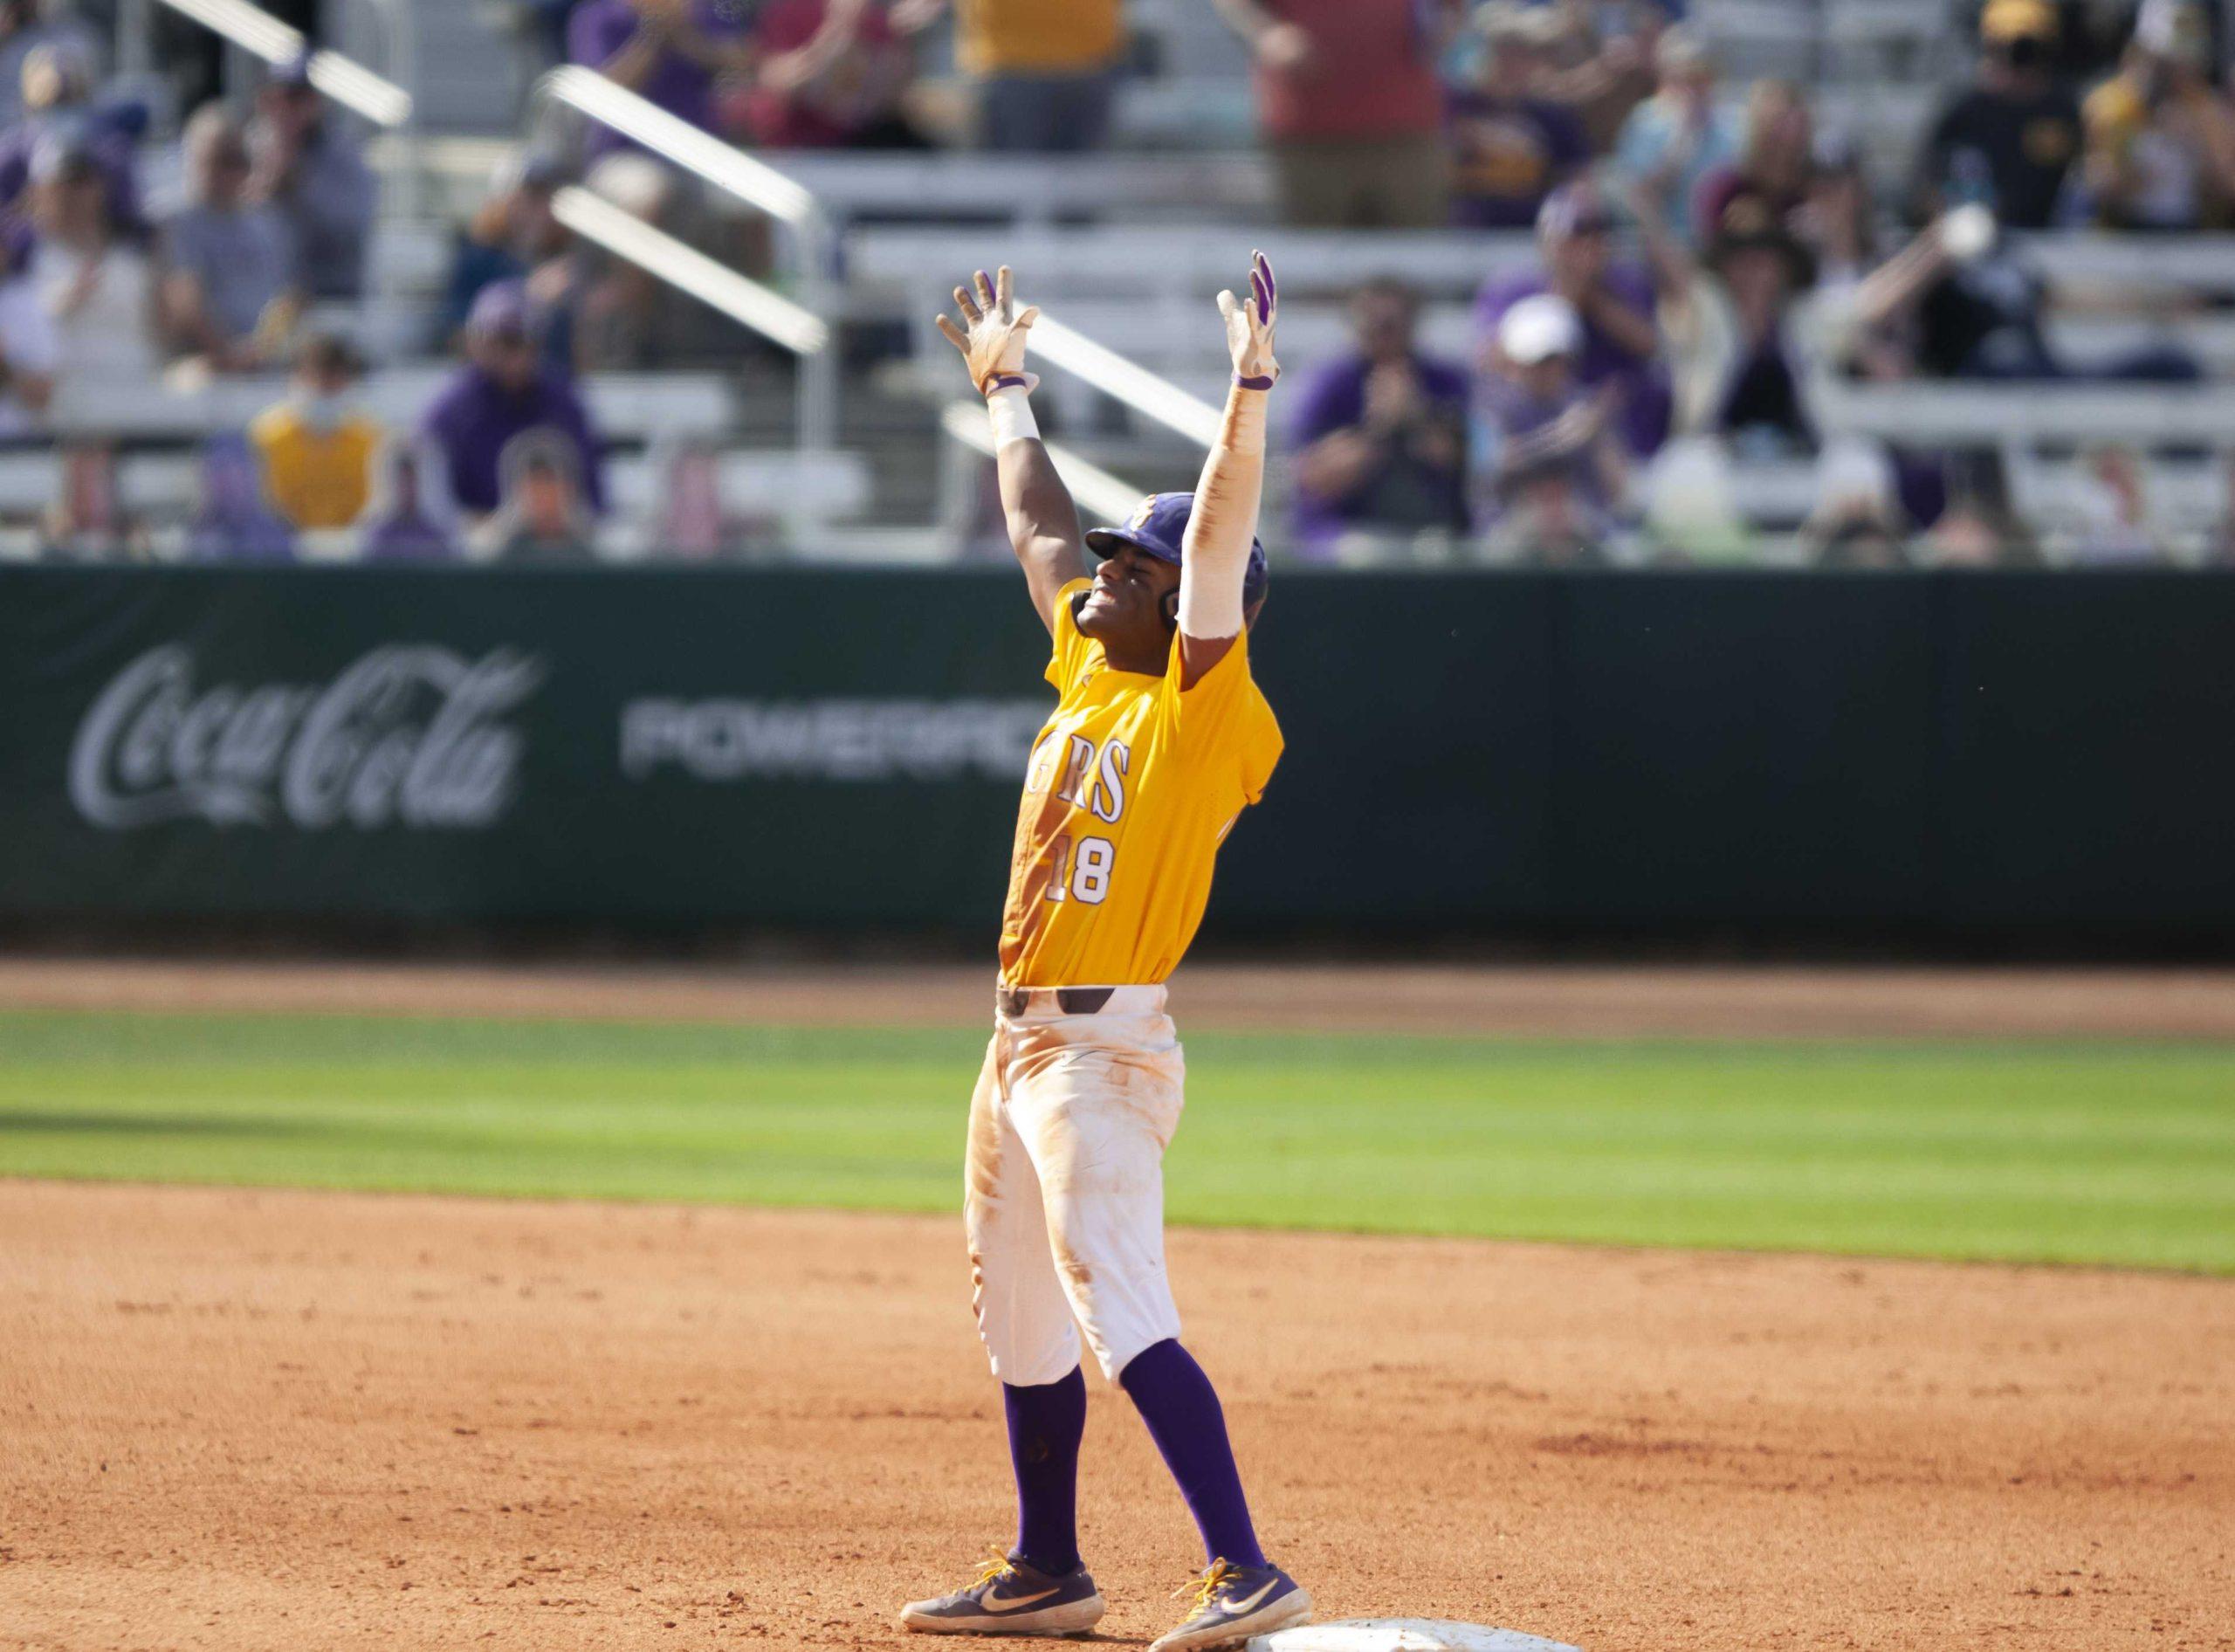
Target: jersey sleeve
{"x":1068,"y":660}
{"x":1222,"y":728}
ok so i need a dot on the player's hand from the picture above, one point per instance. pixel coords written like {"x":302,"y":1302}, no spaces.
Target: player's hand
{"x":1249,"y":324}
{"x":993,"y":336}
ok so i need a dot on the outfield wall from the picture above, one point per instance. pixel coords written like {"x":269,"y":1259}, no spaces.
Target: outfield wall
{"x":1470,"y":754}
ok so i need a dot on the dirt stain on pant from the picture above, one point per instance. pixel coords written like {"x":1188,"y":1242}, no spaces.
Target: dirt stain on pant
{"x":1069,"y":1125}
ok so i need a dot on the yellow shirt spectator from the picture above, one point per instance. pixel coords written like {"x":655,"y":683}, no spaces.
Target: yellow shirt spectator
{"x":1037,"y":37}
{"x":317,"y":473}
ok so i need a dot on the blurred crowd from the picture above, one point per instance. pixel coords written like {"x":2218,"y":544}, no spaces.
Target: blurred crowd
{"x":252,"y":264}
{"x":1710,"y":255}
{"x":1617,"y":402}
{"x":1710,"y":258}
{"x":1418,"y":112}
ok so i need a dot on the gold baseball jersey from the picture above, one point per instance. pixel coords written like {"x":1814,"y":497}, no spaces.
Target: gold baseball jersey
{"x":1132,"y":786}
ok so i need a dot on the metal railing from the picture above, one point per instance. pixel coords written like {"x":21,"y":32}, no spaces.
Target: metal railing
{"x":770,"y":191}
{"x":684,"y":267}
{"x":797,"y":324}
{"x":253,"y":30}
{"x":388,"y":105}
{"x":350,"y":84}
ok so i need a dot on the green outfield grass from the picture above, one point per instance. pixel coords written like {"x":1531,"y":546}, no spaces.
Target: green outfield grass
{"x":2107,"y":1153}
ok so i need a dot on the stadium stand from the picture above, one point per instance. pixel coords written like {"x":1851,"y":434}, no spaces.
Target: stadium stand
{"x":762,"y":319}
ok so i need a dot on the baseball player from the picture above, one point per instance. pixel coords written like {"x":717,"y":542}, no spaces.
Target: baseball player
{"x":1159,"y":739}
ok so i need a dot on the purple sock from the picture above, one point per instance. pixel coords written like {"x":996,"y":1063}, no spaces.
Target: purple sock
{"x":1176,"y":1400}
{"x":1045,"y":1426}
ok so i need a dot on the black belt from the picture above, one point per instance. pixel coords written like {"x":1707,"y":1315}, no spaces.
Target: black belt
{"x":1072,"y":1000}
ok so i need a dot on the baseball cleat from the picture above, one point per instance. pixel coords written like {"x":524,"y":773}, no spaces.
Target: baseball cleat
{"x":1012,"y":1596}
{"x":1234,"y":1602}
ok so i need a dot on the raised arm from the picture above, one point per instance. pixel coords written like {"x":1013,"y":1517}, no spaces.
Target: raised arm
{"x":1043,"y":523}
{"x":1222,"y":529}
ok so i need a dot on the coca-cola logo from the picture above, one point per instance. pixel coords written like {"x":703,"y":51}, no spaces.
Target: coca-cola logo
{"x":408,"y":735}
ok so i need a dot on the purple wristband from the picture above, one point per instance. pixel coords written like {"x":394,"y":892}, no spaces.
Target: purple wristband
{"x":1007,"y":382}
{"x":1252,"y":384}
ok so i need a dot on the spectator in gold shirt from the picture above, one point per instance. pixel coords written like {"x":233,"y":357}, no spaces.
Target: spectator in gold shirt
{"x":316,"y":449}
{"x":1045,"y":71}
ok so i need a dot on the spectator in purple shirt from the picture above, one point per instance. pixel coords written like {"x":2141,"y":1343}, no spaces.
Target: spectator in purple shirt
{"x":400,"y":525}
{"x":1548,"y":463}
{"x":501,"y":392}
{"x":1511,"y":146}
{"x":59,"y":110}
{"x":233,"y":524}
{"x":672,"y":52}
{"x":1613,"y":302}
{"x":1381,"y":434}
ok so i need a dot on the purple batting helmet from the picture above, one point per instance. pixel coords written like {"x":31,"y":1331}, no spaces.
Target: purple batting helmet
{"x":1159,"y":527}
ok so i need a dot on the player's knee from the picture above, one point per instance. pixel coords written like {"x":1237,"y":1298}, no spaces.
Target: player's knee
{"x":1115,"y":1346}
{"x":1031,"y":1362}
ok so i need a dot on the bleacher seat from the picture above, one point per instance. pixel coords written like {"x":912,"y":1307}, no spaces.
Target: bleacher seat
{"x":629,"y":408}
{"x":796,"y":493}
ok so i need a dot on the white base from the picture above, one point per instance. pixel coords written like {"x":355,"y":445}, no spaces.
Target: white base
{"x":1401,"y":1634}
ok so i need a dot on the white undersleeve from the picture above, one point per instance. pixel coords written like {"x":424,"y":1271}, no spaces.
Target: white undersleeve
{"x":1215,"y":561}
{"x":1011,"y":411}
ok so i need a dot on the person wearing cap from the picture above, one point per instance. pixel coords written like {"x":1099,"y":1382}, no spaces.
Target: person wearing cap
{"x":316,"y":448}
{"x":1511,"y":146}
{"x":500,"y":392}
{"x":26,"y":26}
{"x":1546,"y":449}
{"x":1380,"y":434}
{"x":542,"y":522}
{"x":2008,"y":142}
{"x":1612,"y":300}
{"x":515,"y":236}
{"x":2160,"y":135}
{"x":1158,"y":739}
{"x":1727,"y":316}
{"x":1677,"y":139}
{"x":96,"y":288}
{"x":59,"y":107}
{"x":309,"y":169}
{"x":30,"y":352}
{"x":1350,"y":107}
{"x":401,"y":523}
{"x":230,"y":284}
{"x":670,"y":53}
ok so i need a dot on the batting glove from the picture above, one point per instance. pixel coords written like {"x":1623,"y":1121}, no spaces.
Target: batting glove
{"x":1249,"y":327}
{"x":993,"y":336}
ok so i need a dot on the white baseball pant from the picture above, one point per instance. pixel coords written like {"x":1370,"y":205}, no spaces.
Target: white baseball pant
{"x":1063,"y":1199}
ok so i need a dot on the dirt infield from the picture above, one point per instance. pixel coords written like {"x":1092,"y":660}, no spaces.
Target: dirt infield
{"x":1559,"y":1001}
{"x":290,"y":1421}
